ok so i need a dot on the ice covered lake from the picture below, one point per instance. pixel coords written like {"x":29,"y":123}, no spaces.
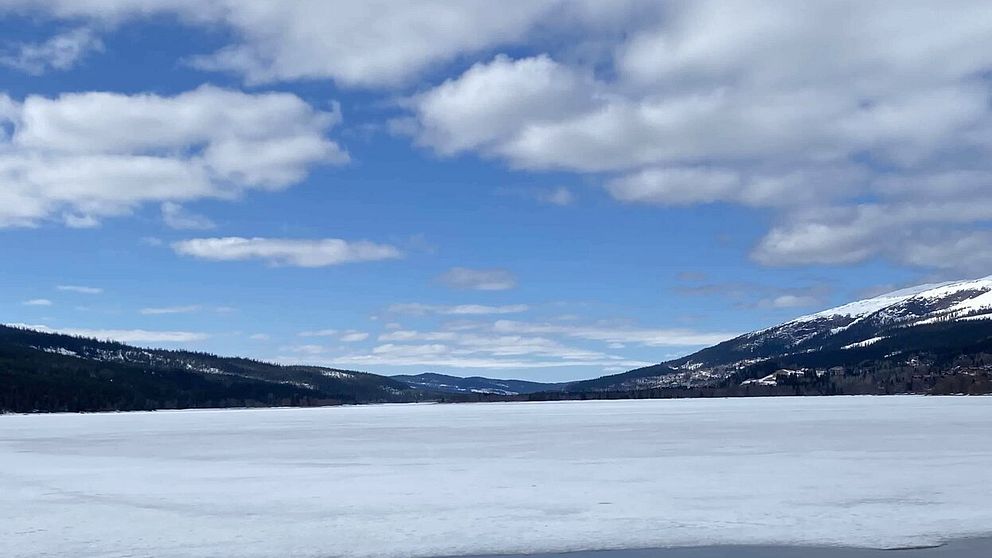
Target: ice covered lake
{"x":436,"y":480}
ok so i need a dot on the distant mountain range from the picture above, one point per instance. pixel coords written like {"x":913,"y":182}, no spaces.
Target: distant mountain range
{"x":929,"y":339}
{"x":441,"y":383}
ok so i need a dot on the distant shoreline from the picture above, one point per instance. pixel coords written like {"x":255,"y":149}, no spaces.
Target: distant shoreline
{"x":978,"y":547}
{"x":481,"y":402}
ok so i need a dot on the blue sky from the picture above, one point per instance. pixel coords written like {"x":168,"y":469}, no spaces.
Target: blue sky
{"x":549,"y":190}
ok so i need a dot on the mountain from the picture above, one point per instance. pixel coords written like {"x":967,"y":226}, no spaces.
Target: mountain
{"x":923,"y":333}
{"x":933,"y":338}
{"x":54,"y":372}
{"x":440,"y":383}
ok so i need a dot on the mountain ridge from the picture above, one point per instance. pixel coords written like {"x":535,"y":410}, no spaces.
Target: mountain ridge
{"x":954,"y":313}
{"x":54,"y":371}
{"x":934,"y":338}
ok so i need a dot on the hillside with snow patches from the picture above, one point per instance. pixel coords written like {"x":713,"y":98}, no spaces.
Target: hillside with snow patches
{"x":933,"y":338}
{"x":921,"y":327}
{"x":53,"y":372}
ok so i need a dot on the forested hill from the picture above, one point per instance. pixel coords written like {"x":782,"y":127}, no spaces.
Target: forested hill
{"x":934,"y":338}
{"x":52,"y":372}
{"x":926,"y":339}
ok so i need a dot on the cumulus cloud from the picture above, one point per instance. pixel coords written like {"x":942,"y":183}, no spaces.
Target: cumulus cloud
{"x":930,"y":231}
{"x":59,"y":52}
{"x":366,"y":44}
{"x":477,"y":111}
{"x":675,"y":186}
{"x":286,"y":251}
{"x":78,"y":157}
{"x":737,"y":103}
{"x":479,"y":279}
{"x":38,"y":302}
{"x":795,"y":106}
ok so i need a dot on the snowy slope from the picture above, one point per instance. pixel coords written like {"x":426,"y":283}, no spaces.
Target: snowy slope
{"x":892,"y":321}
{"x":864,"y":322}
{"x":959,"y":298}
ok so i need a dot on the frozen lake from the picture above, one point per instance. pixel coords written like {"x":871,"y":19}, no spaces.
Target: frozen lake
{"x":434,"y":480}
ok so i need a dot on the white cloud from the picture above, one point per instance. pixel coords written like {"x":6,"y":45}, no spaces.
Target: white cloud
{"x":457,"y":310}
{"x":471,"y":350}
{"x":509,"y":345}
{"x":37,"y":302}
{"x":170,"y":310}
{"x":354,"y":336}
{"x":739,"y":102}
{"x":347,"y":336}
{"x":618,"y":334}
{"x":505,"y":344}
{"x":366,"y":44}
{"x":930,"y":230}
{"x":319,"y":333}
{"x":80,"y":289}
{"x":260,"y":337}
{"x":177,"y":217}
{"x":675,"y":186}
{"x":479,"y":279}
{"x":477,"y":110}
{"x":124,"y":335}
{"x":60,"y":52}
{"x":793,"y":106}
{"x":77,"y":157}
{"x":404,"y":335}
{"x":285,"y":251}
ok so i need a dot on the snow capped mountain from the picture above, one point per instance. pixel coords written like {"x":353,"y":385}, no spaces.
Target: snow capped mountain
{"x":859,"y":321}
{"x":882,"y":329}
{"x":967,"y":298}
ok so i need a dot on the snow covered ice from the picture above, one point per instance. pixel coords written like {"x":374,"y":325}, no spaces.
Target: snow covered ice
{"x":435,"y":480}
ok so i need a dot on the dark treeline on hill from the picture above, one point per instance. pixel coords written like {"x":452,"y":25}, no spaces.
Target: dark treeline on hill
{"x":46,"y":372}
{"x":51,"y":372}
